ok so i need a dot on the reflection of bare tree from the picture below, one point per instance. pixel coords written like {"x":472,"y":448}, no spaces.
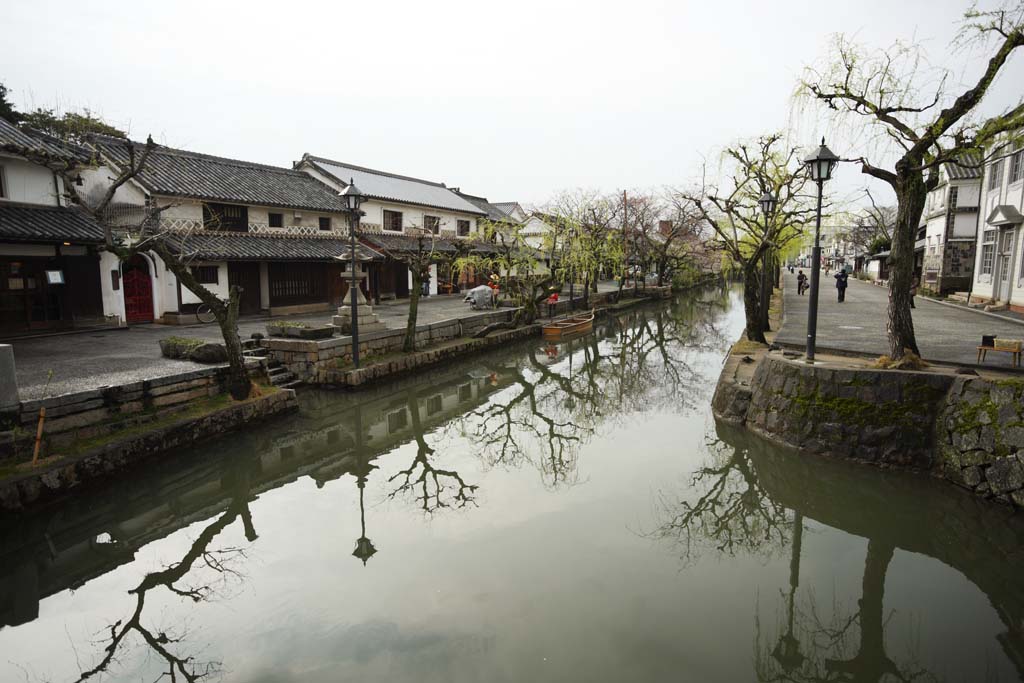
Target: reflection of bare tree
{"x":732,"y":513}
{"x":840,"y":649}
{"x":424,"y":480}
{"x":220,"y":561}
{"x":555,"y":405}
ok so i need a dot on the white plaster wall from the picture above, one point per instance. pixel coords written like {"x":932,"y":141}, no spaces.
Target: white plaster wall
{"x":968,"y":194}
{"x":113,"y":300}
{"x":186,"y":209}
{"x":309,"y":219}
{"x":28,"y":183}
{"x":433,"y":279}
{"x":96,"y":180}
{"x":964,"y":225}
{"x":412,"y":217}
{"x":220,"y":289}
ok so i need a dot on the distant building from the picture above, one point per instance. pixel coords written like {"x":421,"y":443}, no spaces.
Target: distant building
{"x":999,"y":261}
{"x":945,"y":247}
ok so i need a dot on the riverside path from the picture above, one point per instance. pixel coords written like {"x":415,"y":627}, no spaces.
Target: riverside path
{"x":945,"y":333}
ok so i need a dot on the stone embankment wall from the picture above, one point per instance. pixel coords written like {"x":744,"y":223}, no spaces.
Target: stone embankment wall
{"x":57,"y":478}
{"x":95,"y":413}
{"x":962,"y":428}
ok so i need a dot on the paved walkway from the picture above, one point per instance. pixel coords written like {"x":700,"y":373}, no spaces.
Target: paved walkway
{"x":89,"y":360}
{"x":944,"y":333}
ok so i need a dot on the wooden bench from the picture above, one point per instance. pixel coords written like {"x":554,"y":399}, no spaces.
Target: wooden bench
{"x":1013,"y":348}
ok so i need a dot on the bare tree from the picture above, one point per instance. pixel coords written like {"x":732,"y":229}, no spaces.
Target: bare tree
{"x":418,"y":259}
{"x":924,"y":124}
{"x":731,"y":209}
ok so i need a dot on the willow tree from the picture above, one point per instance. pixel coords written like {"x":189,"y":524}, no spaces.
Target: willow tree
{"x":418,"y":258}
{"x":920,"y":123}
{"x":592,"y":244}
{"x":745,"y":234}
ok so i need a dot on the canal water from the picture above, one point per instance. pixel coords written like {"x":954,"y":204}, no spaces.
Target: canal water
{"x":563,"y":512}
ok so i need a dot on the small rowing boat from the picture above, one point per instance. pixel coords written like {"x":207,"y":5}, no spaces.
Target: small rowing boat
{"x":569,"y":326}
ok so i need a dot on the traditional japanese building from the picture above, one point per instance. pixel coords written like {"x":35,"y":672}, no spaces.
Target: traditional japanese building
{"x":945,"y":248}
{"x":999,"y":262}
{"x":276,"y":232}
{"x":50,"y":261}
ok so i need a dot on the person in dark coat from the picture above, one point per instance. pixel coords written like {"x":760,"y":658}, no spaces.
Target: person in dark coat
{"x":801,"y":283}
{"x":842,"y":280}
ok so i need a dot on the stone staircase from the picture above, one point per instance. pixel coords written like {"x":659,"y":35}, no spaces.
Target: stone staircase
{"x":278,"y":375}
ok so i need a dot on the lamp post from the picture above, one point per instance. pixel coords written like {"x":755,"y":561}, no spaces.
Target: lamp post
{"x":353,"y":198}
{"x":820,"y":166}
{"x":768,"y":203}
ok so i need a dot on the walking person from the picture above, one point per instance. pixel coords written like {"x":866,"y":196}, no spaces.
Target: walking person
{"x":801,"y":283}
{"x":842,"y":280}
{"x":913,"y":291}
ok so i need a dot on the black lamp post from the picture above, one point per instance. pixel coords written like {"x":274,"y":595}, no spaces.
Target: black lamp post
{"x":353,"y":198}
{"x":820,"y":166}
{"x":768,"y":203}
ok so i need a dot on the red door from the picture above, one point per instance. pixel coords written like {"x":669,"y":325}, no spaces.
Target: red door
{"x":138,"y":296}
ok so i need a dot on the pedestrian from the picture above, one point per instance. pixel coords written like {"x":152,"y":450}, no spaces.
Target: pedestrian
{"x":842,"y":280}
{"x":801,"y":283}
{"x":913,"y":291}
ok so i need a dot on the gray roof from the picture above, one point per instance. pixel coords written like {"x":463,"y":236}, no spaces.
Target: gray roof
{"x":399,"y":243}
{"x":39,"y":146}
{"x":391,"y":187}
{"x":970,"y":172}
{"x":492,"y":211}
{"x":224,"y":246}
{"x":507,"y":207}
{"x":22,"y":223}
{"x":180,"y":173}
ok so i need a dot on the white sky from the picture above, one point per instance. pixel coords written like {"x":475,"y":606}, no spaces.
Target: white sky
{"x":513,"y":101}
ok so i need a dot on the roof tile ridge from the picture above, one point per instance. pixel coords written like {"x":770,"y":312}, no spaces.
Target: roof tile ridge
{"x":374,"y":171}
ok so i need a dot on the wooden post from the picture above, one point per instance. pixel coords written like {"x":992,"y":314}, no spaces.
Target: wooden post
{"x":39,"y":434}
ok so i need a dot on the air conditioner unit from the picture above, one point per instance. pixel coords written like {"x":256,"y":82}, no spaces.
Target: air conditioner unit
{"x":298,"y":215}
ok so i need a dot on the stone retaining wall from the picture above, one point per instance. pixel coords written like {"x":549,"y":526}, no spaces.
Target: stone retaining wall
{"x":50,"y":481}
{"x":962,"y":428}
{"x":96,"y":412}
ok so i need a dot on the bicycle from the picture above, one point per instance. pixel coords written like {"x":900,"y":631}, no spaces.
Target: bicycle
{"x":204,"y":313}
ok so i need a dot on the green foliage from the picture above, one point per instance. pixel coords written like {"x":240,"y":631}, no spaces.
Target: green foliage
{"x":880,"y":244}
{"x":72,"y":126}
{"x":7,"y":110}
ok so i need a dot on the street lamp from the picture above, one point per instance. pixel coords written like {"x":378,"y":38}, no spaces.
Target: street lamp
{"x":768,"y":202}
{"x":353,"y":198}
{"x":819,"y":166}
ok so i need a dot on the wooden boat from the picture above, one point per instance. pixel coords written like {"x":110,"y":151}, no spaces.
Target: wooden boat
{"x":569,"y":326}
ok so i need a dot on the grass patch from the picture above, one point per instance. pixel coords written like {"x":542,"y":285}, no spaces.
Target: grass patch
{"x":744,"y":346}
{"x":910,"y":361}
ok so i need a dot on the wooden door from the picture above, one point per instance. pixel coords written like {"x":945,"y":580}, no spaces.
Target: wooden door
{"x":138,"y":296}
{"x":246,"y":275}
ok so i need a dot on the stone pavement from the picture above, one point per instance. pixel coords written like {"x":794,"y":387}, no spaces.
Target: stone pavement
{"x":944,"y":333}
{"x":87,"y":360}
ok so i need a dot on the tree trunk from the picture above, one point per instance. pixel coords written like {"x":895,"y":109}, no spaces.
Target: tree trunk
{"x":765,"y":299}
{"x":409,"y":344}
{"x":239,"y":383}
{"x":751,"y":304}
{"x":910,"y":195}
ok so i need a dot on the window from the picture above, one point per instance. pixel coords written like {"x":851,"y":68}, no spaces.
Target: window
{"x":397,"y":420}
{"x":463,"y":228}
{"x":206,"y":275}
{"x":951,"y":211}
{"x":432,"y":224}
{"x":226,"y":217}
{"x":434,"y":404}
{"x":995,"y":174}
{"x":988,"y":250}
{"x":115,"y":280}
{"x":276,"y":220}
{"x":393,"y":220}
{"x":325,"y":223}
{"x":1016,"y":167}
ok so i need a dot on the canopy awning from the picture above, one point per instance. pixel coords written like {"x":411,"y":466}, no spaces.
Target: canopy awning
{"x":1005,"y":214}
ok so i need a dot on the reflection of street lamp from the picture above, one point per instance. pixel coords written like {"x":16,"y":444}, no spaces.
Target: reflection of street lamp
{"x":353,"y":198}
{"x":364,"y":546}
{"x":787,"y":652}
{"x":820,"y":166}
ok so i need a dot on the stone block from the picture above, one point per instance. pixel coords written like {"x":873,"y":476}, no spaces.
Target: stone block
{"x":971,"y":475}
{"x":1005,"y":475}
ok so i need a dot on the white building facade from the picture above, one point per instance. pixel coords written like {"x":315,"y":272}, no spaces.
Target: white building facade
{"x":999,"y":263}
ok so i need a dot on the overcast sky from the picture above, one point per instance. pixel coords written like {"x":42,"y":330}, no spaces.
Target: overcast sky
{"x":514,"y":101}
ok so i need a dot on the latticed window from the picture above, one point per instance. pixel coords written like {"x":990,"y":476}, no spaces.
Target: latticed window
{"x":206,"y":275}
{"x":995,"y":174}
{"x":275,"y":220}
{"x":393,"y":220}
{"x":463,"y":228}
{"x":1017,"y":166}
{"x":988,"y":251}
{"x":325,"y":222}
{"x":951,"y":211}
{"x":432,"y":224}
{"x":228,"y":217}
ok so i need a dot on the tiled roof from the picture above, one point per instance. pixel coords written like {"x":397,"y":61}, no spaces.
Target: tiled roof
{"x":506,"y":207}
{"x":23,"y":223}
{"x":971,"y":172}
{"x":39,"y":146}
{"x":397,"y":243}
{"x":222,"y":246}
{"x":179,"y":173}
{"x":492,"y":211}
{"x":397,"y":188}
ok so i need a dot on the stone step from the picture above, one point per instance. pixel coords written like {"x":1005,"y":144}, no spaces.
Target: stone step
{"x":277,"y":370}
{"x":960,"y":297}
{"x":282,"y":379}
{"x":289,"y":385}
